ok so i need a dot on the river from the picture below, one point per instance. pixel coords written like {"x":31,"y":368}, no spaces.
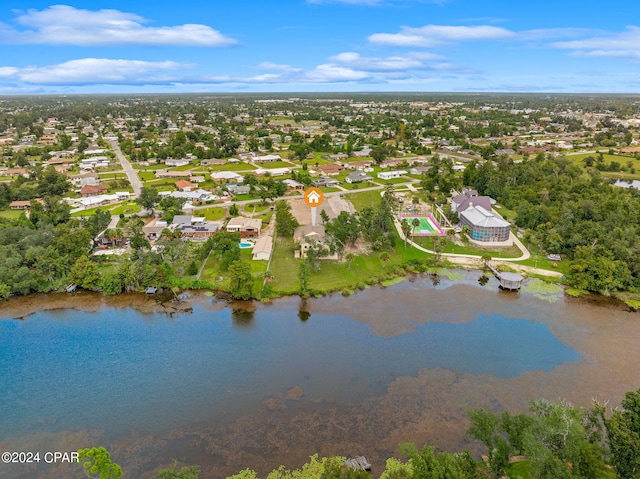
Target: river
{"x":227,"y":387}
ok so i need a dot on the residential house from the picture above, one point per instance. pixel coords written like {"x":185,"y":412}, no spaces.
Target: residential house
{"x":227,"y":176}
{"x":469,"y":197}
{"x":83,"y":179}
{"x":212,"y":161}
{"x":293,"y":184}
{"x":419,"y":170}
{"x":267,"y":158}
{"x":23,"y":205}
{"x":92,"y":190}
{"x":357,"y":177}
{"x":239,"y":189}
{"x":185,"y":185}
{"x":309,"y":236}
{"x":331,"y":169}
{"x":262,"y":249}
{"x":194,"y":228}
{"x":153,"y":229}
{"x":13,"y":172}
{"x":325,"y":181}
{"x":357,"y":165}
{"x":247,"y":227}
{"x":272,"y":171}
{"x":176,"y":162}
{"x":173,"y":174}
{"x":387,"y":175}
{"x":123,"y":195}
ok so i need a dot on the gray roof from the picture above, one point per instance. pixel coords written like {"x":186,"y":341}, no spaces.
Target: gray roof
{"x":479,"y":216}
{"x":181,"y":220}
{"x":463,"y":202}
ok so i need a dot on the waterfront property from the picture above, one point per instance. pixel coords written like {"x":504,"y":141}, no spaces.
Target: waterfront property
{"x":485,"y":225}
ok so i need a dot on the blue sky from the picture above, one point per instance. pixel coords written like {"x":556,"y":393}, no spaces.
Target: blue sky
{"x":319,"y":45}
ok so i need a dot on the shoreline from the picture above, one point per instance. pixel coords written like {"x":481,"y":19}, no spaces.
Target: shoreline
{"x":20,"y":307}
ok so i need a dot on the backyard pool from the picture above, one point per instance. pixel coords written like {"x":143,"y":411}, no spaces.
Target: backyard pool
{"x":245,"y":245}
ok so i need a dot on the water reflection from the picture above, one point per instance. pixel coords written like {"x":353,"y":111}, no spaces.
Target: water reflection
{"x":303,"y":310}
{"x":243,"y":319}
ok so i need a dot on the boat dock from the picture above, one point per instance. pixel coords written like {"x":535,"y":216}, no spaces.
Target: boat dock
{"x":511,"y":281}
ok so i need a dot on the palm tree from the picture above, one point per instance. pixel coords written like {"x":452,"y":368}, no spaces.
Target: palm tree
{"x":349,"y":257}
{"x":109,"y":235}
{"x":384,"y":257}
{"x":118,"y":234}
{"x":406,"y":229}
{"x":415,"y":222}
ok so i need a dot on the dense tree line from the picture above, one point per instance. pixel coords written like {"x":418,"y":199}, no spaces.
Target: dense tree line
{"x":571,"y":211}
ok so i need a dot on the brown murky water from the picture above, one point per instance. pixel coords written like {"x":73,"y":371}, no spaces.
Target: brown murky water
{"x":429,"y":408}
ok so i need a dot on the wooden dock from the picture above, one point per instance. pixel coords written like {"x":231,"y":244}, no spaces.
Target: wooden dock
{"x":511,"y":281}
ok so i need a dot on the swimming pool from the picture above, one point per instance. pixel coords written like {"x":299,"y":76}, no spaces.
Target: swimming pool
{"x":245,"y":245}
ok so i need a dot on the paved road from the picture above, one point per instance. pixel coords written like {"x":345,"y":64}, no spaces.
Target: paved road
{"x":132,"y":175}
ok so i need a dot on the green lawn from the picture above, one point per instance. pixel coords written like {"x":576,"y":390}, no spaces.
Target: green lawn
{"x":334,"y":275}
{"x":392,"y":181}
{"x":450,"y":247}
{"x":255,"y":207}
{"x":220,"y":279}
{"x":126,"y":209}
{"x":356,"y":186}
{"x":364,"y":198}
{"x":621,"y":159}
{"x":276,"y":164}
{"x":212,"y":214}
{"x":265,"y":218}
{"x":11,"y":214}
{"x":159,"y":166}
{"x":91,"y":211}
{"x":112,"y":175}
{"x":147,"y":175}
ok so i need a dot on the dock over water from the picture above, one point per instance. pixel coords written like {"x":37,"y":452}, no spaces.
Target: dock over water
{"x":512,"y":281}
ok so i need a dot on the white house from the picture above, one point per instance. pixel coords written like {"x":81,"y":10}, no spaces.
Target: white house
{"x":273,"y":171}
{"x":226,"y":175}
{"x":175,"y":162}
{"x":267,"y":158}
{"x":262,"y":249}
{"x":387,"y":175}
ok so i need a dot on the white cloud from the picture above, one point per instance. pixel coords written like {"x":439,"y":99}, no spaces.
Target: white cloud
{"x":394,"y":63}
{"x":277,"y":66}
{"x":432,"y":35}
{"x":618,"y":45}
{"x":93,"y":71}
{"x":66,"y":25}
{"x":329,"y":73}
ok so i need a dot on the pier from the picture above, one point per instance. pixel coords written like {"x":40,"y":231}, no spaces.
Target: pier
{"x":511,"y":281}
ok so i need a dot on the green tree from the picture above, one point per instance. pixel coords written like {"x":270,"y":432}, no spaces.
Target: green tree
{"x":623,"y":433}
{"x":173,"y":473}
{"x":85,"y":273}
{"x":234,"y":210}
{"x":304,"y":272}
{"x":148,"y":198}
{"x":97,"y":463}
{"x":241,"y":280}
{"x":286,"y":223}
{"x":192,"y":269}
{"x":406,"y":229}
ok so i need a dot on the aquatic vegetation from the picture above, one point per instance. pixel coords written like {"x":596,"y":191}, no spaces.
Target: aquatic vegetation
{"x":551,"y":292}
